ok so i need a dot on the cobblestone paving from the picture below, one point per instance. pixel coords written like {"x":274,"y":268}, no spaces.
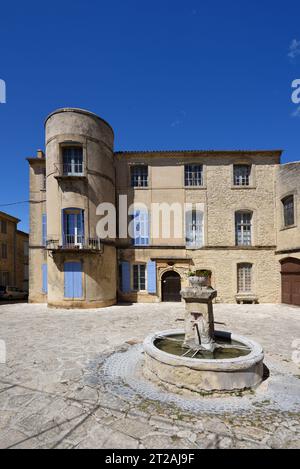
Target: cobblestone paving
{"x":58,"y":388}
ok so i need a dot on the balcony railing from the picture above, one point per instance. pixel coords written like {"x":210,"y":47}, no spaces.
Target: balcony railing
{"x":74,"y":243}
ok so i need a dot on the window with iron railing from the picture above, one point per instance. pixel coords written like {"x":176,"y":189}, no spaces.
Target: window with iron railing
{"x":243,"y":228}
{"x":72,"y":161}
{"x":244,"y":278}
{"x":139,"y":176}
{"x":193,"y":175}
{"x":288,"y":211}
{"x":241,"y":174}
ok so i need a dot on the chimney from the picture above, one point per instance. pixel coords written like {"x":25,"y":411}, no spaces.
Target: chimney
{"x":40,"y":154}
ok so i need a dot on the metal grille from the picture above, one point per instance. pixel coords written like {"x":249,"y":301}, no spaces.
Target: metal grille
{"x":139,"y":277}
{"x":72,"y":161}
{"x":139,"y":176}
{"x":242,"y":175}
{"x":244,"y":278}
{"x":243,"y":224}
{"x":193,"y":175}
{"x":288,"y":209}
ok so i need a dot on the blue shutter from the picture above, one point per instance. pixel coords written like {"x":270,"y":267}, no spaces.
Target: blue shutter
{"x":126,"y":277}
{"x":73,"y":280}
{"x":45,"y":278}
{"x":151,"y":274}
{"x":44,"y":229}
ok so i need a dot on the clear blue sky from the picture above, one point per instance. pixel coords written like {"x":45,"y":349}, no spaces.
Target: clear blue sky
{"x":165,"y":74}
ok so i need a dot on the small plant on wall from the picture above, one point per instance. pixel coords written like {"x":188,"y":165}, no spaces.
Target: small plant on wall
{"x":199,"y":273}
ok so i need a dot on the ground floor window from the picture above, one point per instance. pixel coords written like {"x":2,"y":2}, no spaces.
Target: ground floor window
{"x":244,"y":278}
{"x":139,"y":277}
{"x":4,"y":279}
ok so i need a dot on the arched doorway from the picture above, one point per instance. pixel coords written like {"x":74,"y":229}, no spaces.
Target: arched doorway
{"x":290,"y":281}
{"x":171,"y":286}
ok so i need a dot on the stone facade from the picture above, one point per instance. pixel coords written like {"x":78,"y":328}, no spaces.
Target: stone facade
{"x":107,"y":176}
{"x":13,"y":253}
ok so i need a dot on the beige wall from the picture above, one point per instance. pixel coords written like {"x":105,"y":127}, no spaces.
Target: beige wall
{"x":288,"y":183}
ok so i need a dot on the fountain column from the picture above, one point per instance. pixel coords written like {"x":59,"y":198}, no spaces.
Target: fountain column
{"x":199,"y":317}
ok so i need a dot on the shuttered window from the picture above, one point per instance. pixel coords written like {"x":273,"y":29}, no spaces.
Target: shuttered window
{"x":139,"y":277}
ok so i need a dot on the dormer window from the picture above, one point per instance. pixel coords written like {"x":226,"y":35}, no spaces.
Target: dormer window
{"x":72,"y":161}
{"x":241,"y":174}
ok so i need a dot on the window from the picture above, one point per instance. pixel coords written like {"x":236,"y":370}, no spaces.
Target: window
{"x":139,"y":277}
{"x":4,"y":251}
{"x":72,"y":161}
{"x":289,"y":211}
{"x":243,"y":228}
{"x":139,"y":176}
{"x":244,"y":278}
{"x":141,"y":228}
{"x":194,"y":229}
{"x":26,"y":249}
{"x":193,"y":175}
{"x":3,"y":227}
{"x":73,"y":227}
{"x":26,"y":272}
{"x":43,"y":186}
{"x":5,"y":279}
{"x":242,"y":174}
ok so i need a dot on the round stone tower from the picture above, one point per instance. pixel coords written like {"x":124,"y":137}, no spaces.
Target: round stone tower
{"x":80,"y":175}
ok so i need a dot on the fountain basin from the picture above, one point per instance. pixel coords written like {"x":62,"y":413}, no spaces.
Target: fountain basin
{"x":203,"y":375}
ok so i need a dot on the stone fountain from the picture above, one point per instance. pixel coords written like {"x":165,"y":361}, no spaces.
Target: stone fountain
{"x":200,"y":359}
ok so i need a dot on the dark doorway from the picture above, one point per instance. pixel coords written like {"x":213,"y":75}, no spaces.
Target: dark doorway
{"x":171,"y":286}
{"x":290,"y":281}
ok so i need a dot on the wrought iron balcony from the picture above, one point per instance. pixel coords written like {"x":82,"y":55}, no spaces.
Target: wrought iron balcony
{"x":74,"y":243}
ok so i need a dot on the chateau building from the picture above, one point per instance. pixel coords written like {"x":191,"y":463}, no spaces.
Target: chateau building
{"x":240,"y":213}
{"x":14,"y":254}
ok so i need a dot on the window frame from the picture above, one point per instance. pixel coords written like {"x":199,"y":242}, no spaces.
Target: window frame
{"x":3,"y":227}
{"x":67,"y":146}
{"x":242,"y":266}
{"x":135,"y":167}
{"x":199,"y":182}
{"x":243,"y":225}
{"x":249,"y":176}
{"x":284,"y":219}
{"x":194,"y":244}
{"x":139,"y":265}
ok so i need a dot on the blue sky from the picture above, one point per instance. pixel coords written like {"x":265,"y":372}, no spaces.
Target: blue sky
{"x":165,"y":74}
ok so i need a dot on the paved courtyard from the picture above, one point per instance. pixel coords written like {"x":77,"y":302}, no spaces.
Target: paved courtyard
{"x":62,"y":385}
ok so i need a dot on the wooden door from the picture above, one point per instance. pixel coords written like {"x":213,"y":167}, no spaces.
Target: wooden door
{"x":171,"y":286}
